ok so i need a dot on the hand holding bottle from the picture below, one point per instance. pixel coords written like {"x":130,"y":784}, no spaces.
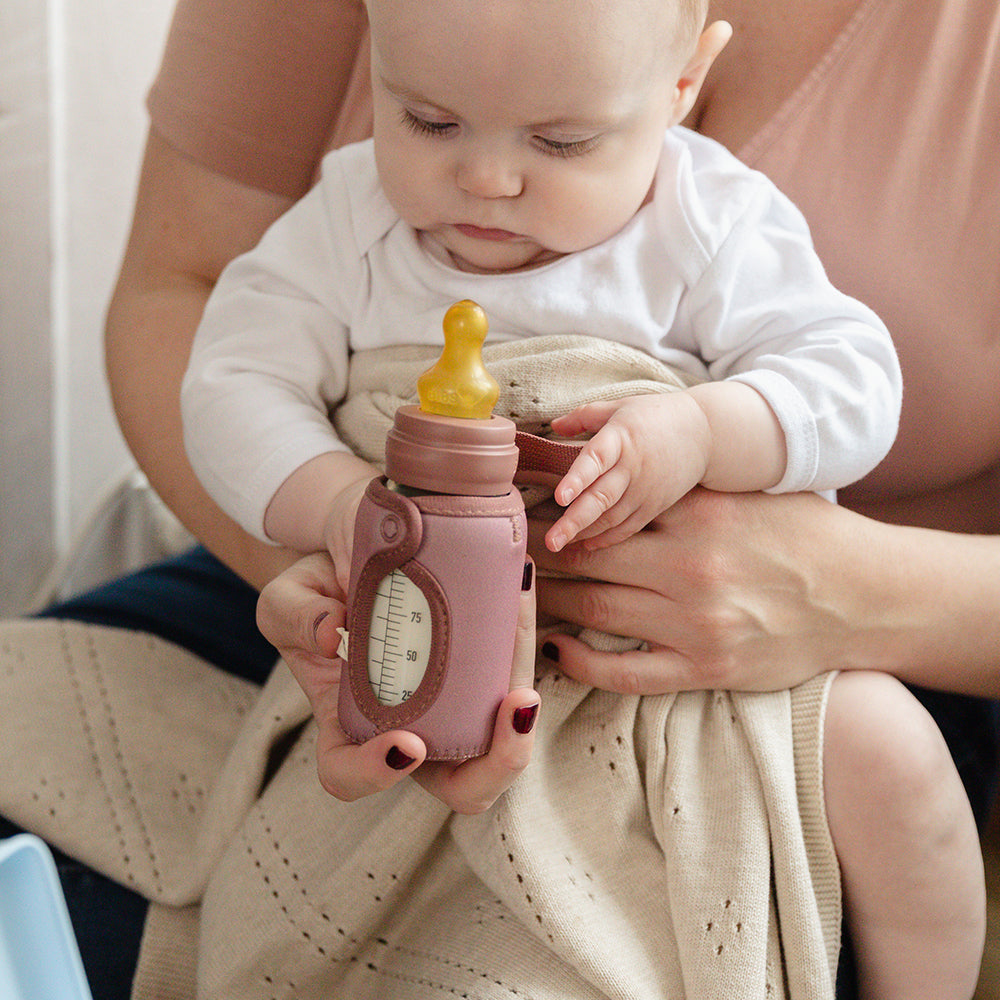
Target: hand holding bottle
{"x":300,"y":612}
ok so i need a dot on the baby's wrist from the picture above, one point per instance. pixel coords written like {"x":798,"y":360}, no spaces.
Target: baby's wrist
{"x":338,"y":523}
{"x":745,"y":447}
{"x":698,"y":433}
{"x":299,"y":514}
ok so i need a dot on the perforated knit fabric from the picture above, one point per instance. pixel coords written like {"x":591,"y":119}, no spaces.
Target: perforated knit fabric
{"x":655,"y":847}
{"x":671,"y":846}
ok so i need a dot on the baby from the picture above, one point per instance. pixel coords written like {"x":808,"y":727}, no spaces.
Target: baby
{"x":529,"y":156}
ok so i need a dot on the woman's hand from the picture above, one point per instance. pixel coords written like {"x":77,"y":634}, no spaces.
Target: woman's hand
{"x":299,"y":613}
{"x":741,"y":591}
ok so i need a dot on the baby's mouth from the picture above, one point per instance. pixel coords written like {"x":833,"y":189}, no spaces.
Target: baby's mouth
{"x":479,"y":233}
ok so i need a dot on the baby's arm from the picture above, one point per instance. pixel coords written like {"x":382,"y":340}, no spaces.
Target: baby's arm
{"x":314,"y":508}
{"x":268,"y":365}
{"x":648,"y":451}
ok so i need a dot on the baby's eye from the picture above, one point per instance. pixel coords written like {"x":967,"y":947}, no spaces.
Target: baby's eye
{"x":422,"y":126}
{"x":564,"y":147}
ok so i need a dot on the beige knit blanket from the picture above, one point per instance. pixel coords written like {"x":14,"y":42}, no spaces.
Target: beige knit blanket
{"x":661,"y":847}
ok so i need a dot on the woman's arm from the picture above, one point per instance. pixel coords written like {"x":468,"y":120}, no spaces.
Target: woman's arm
{"x":189,"y":222}
{"x":751,"y":591}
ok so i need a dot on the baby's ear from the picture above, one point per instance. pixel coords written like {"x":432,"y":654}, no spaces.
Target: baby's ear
{"x":711,"y":42}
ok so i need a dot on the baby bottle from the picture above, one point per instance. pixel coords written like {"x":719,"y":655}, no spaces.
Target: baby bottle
{"x":439,"y":550}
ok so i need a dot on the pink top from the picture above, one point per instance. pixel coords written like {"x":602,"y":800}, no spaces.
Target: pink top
{"x":890,"y":148}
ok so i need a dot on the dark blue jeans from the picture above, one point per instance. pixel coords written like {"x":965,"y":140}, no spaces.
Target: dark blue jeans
{"x":194,"y":601}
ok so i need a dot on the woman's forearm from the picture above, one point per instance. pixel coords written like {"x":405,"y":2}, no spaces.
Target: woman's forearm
{"x":144,"y":373}
{"x":188,"y":224}
{"x":931,"y":606}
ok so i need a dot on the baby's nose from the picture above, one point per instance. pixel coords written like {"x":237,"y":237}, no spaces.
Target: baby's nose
{"x":486,"y":175}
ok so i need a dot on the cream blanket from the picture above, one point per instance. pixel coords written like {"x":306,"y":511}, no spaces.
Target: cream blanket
{"x":658,"y":847}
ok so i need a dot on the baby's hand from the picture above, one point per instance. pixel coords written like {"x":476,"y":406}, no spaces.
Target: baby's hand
{"x":339,"y":529}
{"x":647,"y":452}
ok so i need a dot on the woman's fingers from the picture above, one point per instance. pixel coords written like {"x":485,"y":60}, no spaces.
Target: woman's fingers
{"x":634,"y":562}
{"x":636,"y":672}
{"x":350,"y":771}
{"x":729,"y":590}
{"x":293,"y":607}
{"x":621,"y":610}
{"x":522,"y":671}
{"x":474,"y":785}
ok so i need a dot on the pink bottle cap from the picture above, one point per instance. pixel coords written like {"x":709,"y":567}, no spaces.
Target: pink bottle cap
{"x":453,"y":455}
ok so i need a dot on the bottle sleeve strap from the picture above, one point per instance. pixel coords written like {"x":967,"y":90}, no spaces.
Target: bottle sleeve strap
{"x":541,"y":460}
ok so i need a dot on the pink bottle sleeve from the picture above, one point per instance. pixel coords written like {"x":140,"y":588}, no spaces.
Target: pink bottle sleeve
{"x":466,"y":554}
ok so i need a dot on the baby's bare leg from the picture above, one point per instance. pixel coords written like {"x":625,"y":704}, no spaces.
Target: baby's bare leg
{"x":906,"y":839}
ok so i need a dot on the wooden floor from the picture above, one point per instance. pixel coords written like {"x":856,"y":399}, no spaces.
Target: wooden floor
{"x":989,"y":979}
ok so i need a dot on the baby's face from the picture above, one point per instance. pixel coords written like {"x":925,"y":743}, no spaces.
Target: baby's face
{"x":511,"y":132}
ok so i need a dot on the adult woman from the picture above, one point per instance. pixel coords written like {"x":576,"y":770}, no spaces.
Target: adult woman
{"x":771,"y":98}
{"x":750,"y":592}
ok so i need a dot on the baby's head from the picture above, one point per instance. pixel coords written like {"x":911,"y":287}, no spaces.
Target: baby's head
{"x":512,"y":132}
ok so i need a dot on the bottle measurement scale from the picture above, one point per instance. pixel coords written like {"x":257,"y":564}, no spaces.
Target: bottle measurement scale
{"x":399,"y":639}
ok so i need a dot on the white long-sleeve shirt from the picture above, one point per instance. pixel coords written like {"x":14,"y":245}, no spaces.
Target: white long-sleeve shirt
{"x":716,"y":275}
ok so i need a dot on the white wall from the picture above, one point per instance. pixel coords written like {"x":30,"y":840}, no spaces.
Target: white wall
{"x":26,"y":542}
{"x":73,"y":75}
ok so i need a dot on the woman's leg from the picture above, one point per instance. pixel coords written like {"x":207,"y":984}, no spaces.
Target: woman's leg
{"x":971,"y":728}
{"x":191,"y":600}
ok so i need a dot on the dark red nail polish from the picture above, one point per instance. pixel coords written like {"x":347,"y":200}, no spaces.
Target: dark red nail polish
{"x":316,"y":624}
{"x":527,"y":576}
{"x":550,"y":651}
{"x":398,"y":760}
{"x":524,"y":719}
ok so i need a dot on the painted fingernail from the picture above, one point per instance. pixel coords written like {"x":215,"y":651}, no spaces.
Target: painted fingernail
{"x":550,"y":651}
{"x":527,"y":576}
{"x":398,"y":760}
{"x":524,"y":719}
{"x":316,"y":624}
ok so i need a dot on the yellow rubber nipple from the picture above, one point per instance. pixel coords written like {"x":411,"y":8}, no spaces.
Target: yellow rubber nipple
{"x":458,"y":384}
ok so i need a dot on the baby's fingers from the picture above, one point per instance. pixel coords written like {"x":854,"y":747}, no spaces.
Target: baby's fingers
{"x":598,"y":505}
{"x":599,"y":455}
{"x":585,"y":419}
{"x":600,"y":537}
